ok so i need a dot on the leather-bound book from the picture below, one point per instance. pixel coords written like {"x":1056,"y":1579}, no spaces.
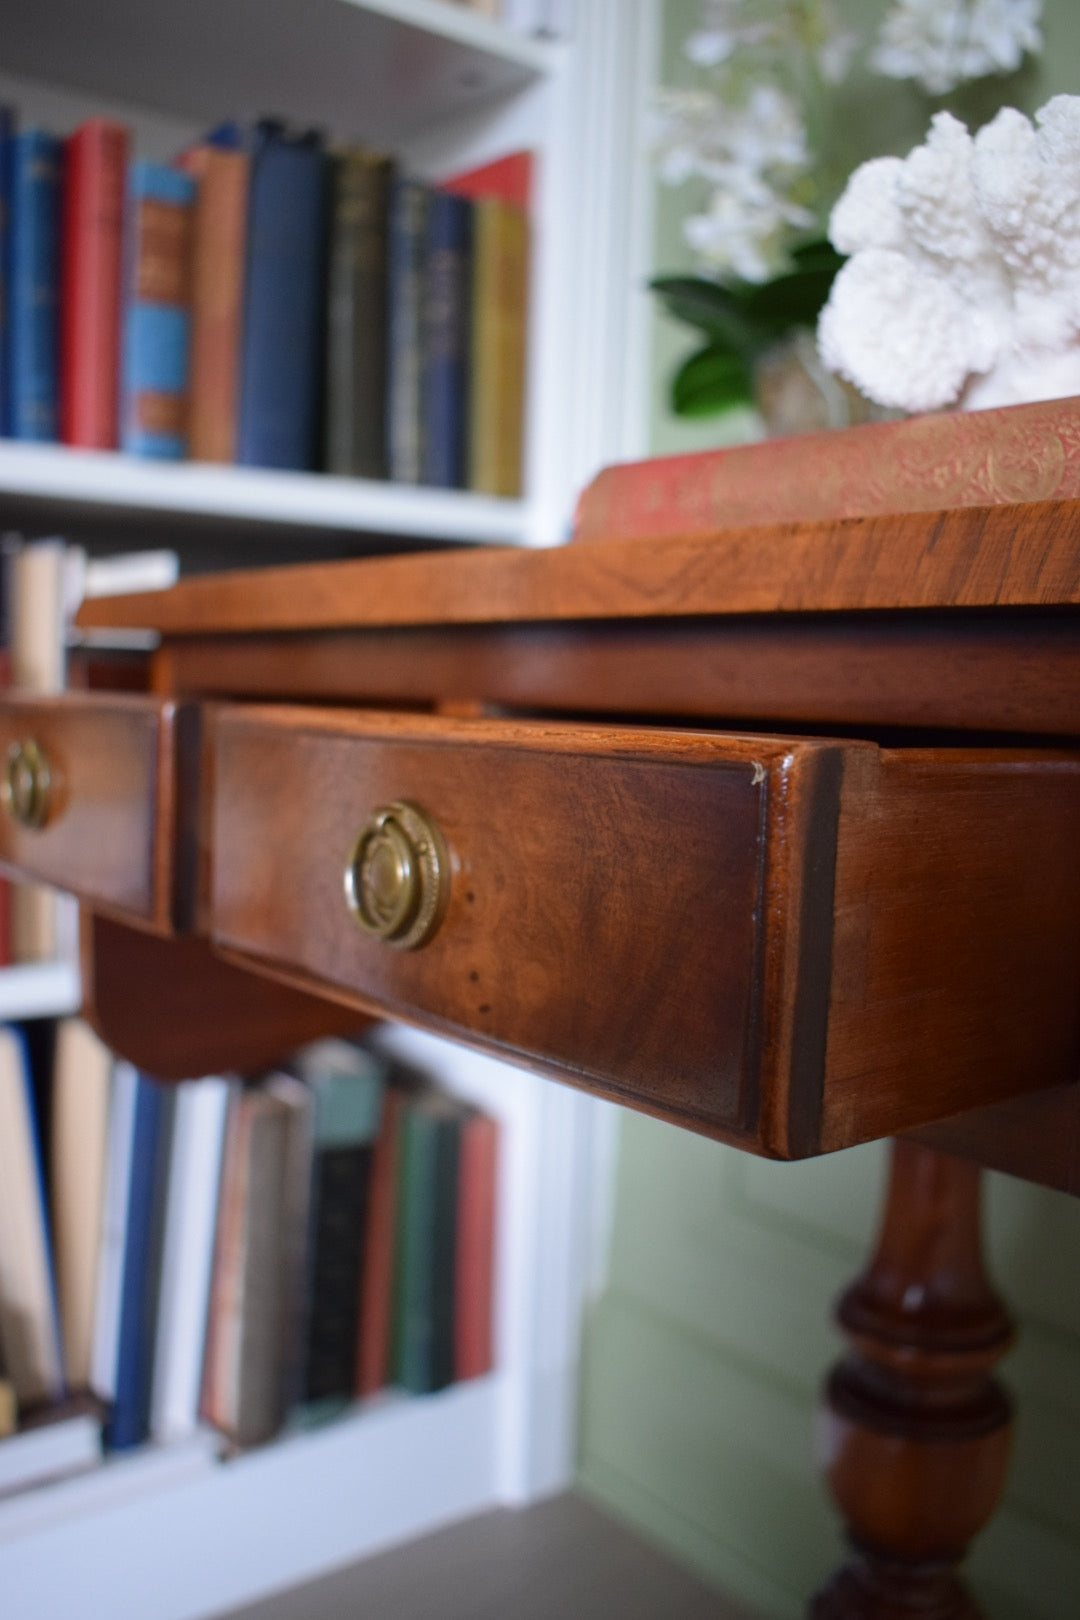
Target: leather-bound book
{"x":219,"y":235}
{"x":920,"y":464}
{"x":95,"y":162}
{"x":157,"y":312}
{"x":427,"y":1245}
{"x":33,"y":285}
{"x":283,"y":329}
{"x":499,"y":341}
{"x":475,"y":1257}
{"x":404,"y":412}
{"x":356,"y":347}
{"x":445,"y":340}
{"x":373,"y":1345}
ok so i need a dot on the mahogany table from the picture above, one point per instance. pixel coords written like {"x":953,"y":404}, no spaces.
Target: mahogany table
{"x":771,"y":832}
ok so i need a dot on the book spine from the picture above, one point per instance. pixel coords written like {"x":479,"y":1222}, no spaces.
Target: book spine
{"x":95,"y":160}
{"x":217,"y":295}
{"x":340,"y":1200}
{"x":377,"y":1266}
{"x":499,"y":322}
{"x":927,"y":463}
{"x":424,"y":1337}
{"x":446,"y":314}
{"x":7,"y":137}
{"x":129,"y":1421}
{"x":283,"y":331}
{"x":34,"y":285}
{"x":404,"y":425}
{"x":157,"y":312}
{"x":475,"y":1272}
{"x":357,"y":316}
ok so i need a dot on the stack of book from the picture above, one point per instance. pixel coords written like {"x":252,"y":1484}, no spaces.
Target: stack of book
{"x":264,"y":301}
{"x":235,"y":1253}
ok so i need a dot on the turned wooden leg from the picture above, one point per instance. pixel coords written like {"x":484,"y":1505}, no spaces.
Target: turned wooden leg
{"x":915,"y":1431}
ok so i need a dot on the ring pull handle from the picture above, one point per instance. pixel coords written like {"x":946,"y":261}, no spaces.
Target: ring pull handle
{"x":397,"y":878}
{"x":27,"y":784}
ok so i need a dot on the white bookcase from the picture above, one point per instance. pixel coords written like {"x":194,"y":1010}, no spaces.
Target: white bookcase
{"x":180,"y":1535}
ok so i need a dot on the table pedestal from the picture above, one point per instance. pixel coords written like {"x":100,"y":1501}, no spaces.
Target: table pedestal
{"x":915,"y":1430}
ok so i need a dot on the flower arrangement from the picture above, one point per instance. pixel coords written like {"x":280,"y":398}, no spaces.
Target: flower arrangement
{"x":749,"y":126}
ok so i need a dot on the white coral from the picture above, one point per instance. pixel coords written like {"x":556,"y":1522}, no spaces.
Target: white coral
{"x":964,"y":275}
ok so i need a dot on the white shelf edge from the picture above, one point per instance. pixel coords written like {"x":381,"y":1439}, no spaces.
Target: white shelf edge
{"x":228,"y":1534}
{"x":39,"y":990}
{"x":109,"y":480}
{"x":465,"y":27}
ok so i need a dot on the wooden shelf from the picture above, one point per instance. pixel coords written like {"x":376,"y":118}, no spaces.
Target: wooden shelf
{"x":39,"y":990}
{"x":53,"y":480}
{"x":377,"y":70}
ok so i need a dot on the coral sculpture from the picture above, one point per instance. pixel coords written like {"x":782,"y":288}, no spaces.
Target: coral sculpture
{"x":963,"y":282}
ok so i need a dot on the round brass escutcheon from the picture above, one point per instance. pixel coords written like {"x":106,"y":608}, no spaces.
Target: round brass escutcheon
{"x":397,"y":878}
{"x":27,"y":783}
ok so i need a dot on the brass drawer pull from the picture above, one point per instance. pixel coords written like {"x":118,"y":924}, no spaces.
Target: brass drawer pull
{"x":397,"y":878}
{"x":27,"y":784}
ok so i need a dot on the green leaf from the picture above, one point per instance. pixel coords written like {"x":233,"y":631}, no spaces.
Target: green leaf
{"x":712,"y":380}
{"x":792,"y":300}
{"x":819,"y":255}
{"x":719,"y":312}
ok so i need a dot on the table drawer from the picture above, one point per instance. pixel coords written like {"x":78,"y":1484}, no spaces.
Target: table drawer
{"x":90,"y":799}
{"x":760,"y":937}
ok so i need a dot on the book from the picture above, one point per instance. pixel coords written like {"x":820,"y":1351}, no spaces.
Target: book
{"x":247,"y":1365}
{"x":33,"y":285}
{"x":404,"y":411}
{"x":29,"y":1327}
{"x":426,"y":1247}
{"x":7,"y":133}
{"x":114,"y":1215}
{"x":474,"y":1270}
{"x":82,"y":1076}
{"x":219,"y":238}
{"x":356,"y":324}
{"x":282,"y":344}
{"x":375,"y":1313}
{"x":94,"y":168}
{"x":347,"y":1083}
{"x":508,"y":180}
{"x":920,"y":464}
{"x":499,"y":339}
{"x":445,"y":340}
{"x":194,"y":1181}
{"x":128,"y":1423}
{"x":157,"y":317}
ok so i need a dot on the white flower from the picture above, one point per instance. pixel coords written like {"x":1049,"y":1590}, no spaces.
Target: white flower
{"x":975,"y":243}
{"x":943,"y":43}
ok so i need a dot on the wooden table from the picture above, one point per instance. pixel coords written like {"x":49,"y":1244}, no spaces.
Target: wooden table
{"x":771,"y":832}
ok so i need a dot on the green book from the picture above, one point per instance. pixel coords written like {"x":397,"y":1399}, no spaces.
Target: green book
{"x":423,"y":1355}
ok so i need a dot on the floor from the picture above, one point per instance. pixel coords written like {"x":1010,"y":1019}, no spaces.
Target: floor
{"x":563,"y":1558}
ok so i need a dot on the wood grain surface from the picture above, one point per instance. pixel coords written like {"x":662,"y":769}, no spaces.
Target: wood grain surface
{"x":1004,"y":556}
{"x":113,"y":827}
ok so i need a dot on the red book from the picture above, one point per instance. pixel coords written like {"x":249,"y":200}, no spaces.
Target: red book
{"x":474,"y":1268}
{"x":921,"y":464}
{"x":92,"y":229}
{"x":507,"y":180}
{"x":377,"y":1261}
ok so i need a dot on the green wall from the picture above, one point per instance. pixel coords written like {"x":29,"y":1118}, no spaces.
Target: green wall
{"x":704,"y":1355}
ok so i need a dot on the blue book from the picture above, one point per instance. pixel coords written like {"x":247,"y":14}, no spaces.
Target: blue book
{"x":7,"y":131}
{"x":157,"y":313}
{"x":129,"y":1419}
{"x":33,"y":284}
{"x":445,"y":339}
{"x":282,"y":346}
{"x":406,"y":241}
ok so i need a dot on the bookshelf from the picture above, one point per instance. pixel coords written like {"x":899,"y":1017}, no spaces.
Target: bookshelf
{"x":447,"y":90}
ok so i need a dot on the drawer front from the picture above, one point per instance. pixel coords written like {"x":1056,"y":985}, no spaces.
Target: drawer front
{"x":787,"y":943}
{"x":90,"y":799}
{"x":605,"y":896}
